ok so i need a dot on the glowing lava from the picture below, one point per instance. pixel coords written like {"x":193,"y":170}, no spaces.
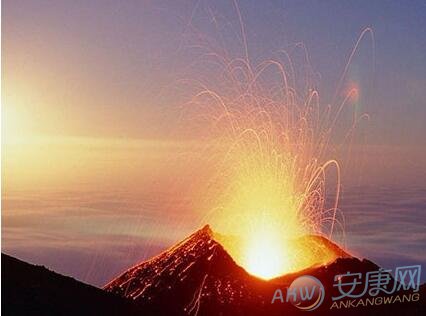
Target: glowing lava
{"x":261,"y":210}
{"x":265,"y":254}
{"x":271,"y":194}
{"x":268,"y":255}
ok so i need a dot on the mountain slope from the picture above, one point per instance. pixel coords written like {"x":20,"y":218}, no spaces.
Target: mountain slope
{"x":197,"y":269}
{"x":34,"y":290}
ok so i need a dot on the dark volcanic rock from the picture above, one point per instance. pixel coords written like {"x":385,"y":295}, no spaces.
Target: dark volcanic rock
{"x":34,"y":290}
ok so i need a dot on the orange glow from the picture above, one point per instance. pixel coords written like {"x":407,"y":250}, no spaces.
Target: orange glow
{"x":271,"y":156}
{"x":265,"y":255}
{"x":267,"y":213}
{"x":263,"y":212}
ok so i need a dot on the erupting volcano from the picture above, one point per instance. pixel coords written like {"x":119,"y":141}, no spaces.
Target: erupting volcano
{"x":270,"y":148}
{"x":199,"y":276}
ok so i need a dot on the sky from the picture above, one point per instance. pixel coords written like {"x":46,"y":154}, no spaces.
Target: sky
{"x":56,"y":55}
{"x":90,"y":119}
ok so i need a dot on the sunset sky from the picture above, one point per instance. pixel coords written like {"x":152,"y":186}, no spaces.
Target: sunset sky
{"x":90,"y":121}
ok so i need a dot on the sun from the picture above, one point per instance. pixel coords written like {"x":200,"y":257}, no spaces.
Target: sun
{"x":15,"y":125}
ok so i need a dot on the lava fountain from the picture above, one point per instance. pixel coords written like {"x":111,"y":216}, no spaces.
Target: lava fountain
{"x":270,"y":147}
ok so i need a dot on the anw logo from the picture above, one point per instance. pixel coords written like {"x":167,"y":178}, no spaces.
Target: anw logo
{"x":305,"y":293}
